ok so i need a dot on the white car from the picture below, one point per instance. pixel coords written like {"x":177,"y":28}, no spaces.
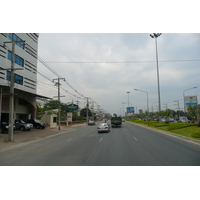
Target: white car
{"x":91,"y":123}
{"x":103,"y":127}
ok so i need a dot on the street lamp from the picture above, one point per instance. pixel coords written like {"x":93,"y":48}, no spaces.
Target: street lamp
{"x":184,"y":96}
{"x":147,"y":99}
{"x":178,"y":108}
{"x":123,"y":107}
{"x":156,"y":35}
{"x":152,"y":106}
{"x":128,"y":101}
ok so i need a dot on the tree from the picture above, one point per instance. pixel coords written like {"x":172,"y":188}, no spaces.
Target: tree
{"x":83,"y":112}
{"x":168,"y":113}
{"x":39,"y":110}
{"x":53,"y":104}
{"x":194,"y":112}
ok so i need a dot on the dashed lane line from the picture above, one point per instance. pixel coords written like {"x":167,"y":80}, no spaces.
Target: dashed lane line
{"x":135,"y":138}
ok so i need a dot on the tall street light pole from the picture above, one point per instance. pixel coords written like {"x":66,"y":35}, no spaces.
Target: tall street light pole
{"x":184,"y":96}
{"x":147,"y":99}
{"x":128,"y":101}
{"x":123,"y":107}
{"x":156,"y":35}
{"x":178,"y":109}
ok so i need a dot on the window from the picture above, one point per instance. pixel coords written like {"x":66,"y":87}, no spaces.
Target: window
{"x":12,"y":36}
{"x":18,"y":59}
{"x":18,"y":79}
{"x":54,"y":119}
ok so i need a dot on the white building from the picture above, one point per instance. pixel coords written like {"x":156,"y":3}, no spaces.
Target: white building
{"x":25,"y":74}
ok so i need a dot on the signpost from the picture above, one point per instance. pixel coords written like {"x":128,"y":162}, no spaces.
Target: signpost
{"x":130,"y":109}
{"x":72,"y":107}
{"x":69,"y":117}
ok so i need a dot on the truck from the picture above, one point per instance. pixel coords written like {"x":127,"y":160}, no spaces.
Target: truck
{"x":116,"y":121}
{"x":21,"y":125}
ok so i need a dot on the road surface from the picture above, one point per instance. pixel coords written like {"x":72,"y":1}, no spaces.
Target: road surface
{"x":131,"y":145}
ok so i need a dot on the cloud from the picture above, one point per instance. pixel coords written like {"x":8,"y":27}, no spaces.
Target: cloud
{"x":106,"y":66}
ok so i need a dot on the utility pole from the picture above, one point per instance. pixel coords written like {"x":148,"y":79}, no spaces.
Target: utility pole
{"x":58,"y":83}
{"x":12,"y":80}
{"x":0,"y":104}
{"x":87,"y":109}
{"x":92,"y":110}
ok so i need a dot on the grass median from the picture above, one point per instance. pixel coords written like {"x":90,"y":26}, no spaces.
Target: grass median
{"x":189,"y":130}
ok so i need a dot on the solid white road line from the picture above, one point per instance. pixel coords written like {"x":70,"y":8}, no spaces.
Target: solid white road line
{"x":69,"y":139}
{"x":101,"y":139}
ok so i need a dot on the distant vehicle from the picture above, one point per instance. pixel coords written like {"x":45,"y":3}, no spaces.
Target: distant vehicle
{"x":171,"y":120}
{"x":103,"y":127}
{"x":36,"y":123}
{"x":123,"y":120}
{"x":91,"y":123}
{"x":184,"y":119}
{"x":116,"y":121}
{"x":4,"y":127}
{"x":21,"y":125}
{"x":163,"y":120}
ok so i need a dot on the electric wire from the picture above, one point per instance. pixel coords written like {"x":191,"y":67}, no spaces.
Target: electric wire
{"x":53,"y":71}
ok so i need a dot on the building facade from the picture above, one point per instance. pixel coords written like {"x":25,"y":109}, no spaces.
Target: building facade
{"x":25,"y":74}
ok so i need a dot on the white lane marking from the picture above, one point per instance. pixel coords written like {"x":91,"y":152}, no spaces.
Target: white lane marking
{"x":135,"y":138}
{"x":69,"y":139}
{"x":101,"y":139}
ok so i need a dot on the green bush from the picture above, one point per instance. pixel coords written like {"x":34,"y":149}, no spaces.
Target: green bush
{"x":196,"y":135}
{"x":160,"y":124}
{"x":174,"y":126}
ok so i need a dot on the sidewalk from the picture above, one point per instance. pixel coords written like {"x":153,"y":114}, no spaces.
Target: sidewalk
{"x":22,"y":137}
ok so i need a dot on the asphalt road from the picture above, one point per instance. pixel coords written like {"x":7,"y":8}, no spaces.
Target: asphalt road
{"x":130,"y":145}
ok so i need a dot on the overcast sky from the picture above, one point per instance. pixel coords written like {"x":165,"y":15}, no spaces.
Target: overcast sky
{"x":105,"y":67}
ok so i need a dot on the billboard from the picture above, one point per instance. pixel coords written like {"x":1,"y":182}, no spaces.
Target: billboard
{"x":130,"y":109}
{"x":69,"y":117}
{"x":190,"y":100}
{"x":72,"y":107}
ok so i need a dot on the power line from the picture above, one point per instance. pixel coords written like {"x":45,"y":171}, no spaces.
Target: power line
{"x":126,"y":62}
{"x":48,"y":67}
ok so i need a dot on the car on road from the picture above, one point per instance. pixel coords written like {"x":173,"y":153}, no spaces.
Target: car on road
{"x":21,"y":125}
{"x":103,"y":127}
{"x":91,"y":123}
{"x":123,"y":120}
{"x":36,"y":123}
